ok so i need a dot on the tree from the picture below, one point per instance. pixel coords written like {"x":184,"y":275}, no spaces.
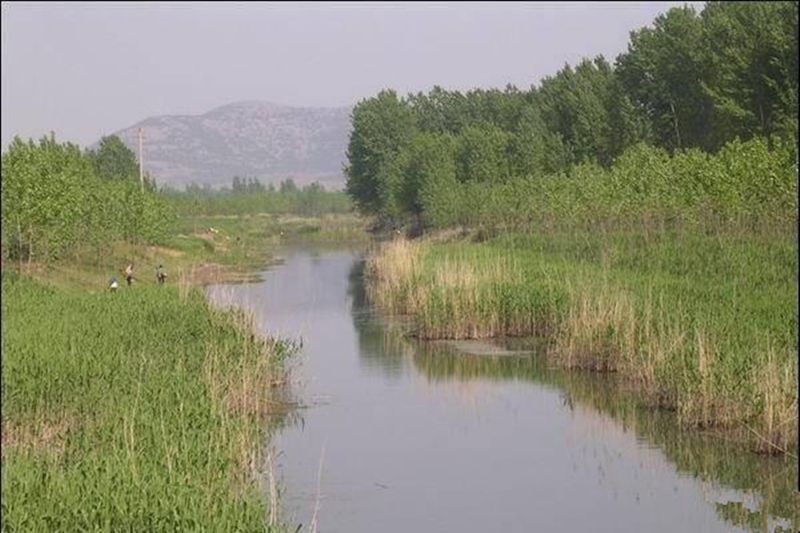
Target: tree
{"x":114,"y":160}
{"x":53,"y":203}
{"x":752,"y":79}
{"x":428,"y":161}
{"x":254,"y":185}
{"x":432,"y":178}
{"x":627,"y":125}
{"x":661,"y":73}
{"x":382,"y":128}
{"x":533,"y":149}
{"x":482,"y":154}
{"x":310,"y":201}
{"x":588,"y":110}
{"x":288,"y":186}
{"x":439,"y":111}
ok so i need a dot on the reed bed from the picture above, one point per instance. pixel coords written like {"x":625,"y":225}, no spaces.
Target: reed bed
{"x":702,"y":323}
{"x":141,"y":410}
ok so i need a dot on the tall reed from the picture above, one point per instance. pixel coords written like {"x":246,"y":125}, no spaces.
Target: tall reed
{"x":703,"y":323}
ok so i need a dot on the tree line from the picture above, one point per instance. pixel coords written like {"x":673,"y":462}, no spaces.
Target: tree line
{"x":254,"y":185}
{"x":250,"y":196}
{"x":243,"y":185}
{"x":689,"y":82}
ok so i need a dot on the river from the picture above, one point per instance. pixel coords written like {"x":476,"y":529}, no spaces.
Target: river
{"x":398,"y":436}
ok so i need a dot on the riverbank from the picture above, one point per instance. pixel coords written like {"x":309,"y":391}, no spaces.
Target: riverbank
{"x":200,"y":250}
{"x":702,"y":324}
{"x":144,"y":409}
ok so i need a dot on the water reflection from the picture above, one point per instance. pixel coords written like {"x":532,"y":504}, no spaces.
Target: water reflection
{"x":425,"y":437}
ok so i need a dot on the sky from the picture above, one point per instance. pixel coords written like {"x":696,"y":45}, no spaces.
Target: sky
{"x":83,"y":70}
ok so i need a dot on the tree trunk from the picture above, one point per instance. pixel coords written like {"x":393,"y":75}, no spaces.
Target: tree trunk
{"x":675,"y":123}
{"x":19,"y":246}
{"x":30,"y":246}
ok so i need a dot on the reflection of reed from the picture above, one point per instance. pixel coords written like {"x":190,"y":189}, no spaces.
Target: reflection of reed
{"x":314,"y":517}
{"x":705,"y":456}
{"x":606,"y":408}
{"x":273,"y":488}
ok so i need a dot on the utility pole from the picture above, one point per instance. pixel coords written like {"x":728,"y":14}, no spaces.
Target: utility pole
{"x":141,"y":164}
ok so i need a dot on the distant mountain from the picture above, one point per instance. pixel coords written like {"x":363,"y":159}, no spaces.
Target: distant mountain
{"x":246,"y":139}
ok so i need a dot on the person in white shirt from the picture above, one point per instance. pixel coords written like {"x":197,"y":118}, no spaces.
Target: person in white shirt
{"x":129,"y":274}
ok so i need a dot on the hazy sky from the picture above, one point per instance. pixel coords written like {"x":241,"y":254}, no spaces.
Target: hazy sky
{"x":87,"y":69}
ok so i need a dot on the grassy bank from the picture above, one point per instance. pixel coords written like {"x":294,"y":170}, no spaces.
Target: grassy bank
{"x":199,"y":250}
{"x":140,"y":410}
{"x":702,"y":323}
{"x":145,"y":409}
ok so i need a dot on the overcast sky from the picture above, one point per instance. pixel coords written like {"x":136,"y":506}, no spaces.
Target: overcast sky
{"x":87,"y":69}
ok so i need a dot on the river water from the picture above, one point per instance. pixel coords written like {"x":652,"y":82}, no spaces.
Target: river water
{"x":400,"y":436}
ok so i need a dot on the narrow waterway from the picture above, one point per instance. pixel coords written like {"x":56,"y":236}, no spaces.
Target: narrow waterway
{"x":399,"y":436}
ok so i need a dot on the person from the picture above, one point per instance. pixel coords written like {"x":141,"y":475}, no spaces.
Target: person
{"x":113,"y":285}
{"x":161,"y":276}
{"x":129,"y":274}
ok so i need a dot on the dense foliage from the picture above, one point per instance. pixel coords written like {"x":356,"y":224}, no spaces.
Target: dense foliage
{"x":56,"y":199}
{"x":114,"y":160}
{"x":691,"y":83}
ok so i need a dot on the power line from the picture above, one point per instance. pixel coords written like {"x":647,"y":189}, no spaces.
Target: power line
{"x":141,"y":163}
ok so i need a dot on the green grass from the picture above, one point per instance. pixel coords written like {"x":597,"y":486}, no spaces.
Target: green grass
{"x":141,"y":410}
{"x":704,"y":323}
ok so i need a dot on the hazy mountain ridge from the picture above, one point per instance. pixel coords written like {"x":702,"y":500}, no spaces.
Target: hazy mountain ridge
{"x":246,"y":139}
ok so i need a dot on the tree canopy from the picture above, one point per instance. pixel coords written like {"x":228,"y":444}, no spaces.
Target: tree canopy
{"x":688,"y":81}
{"x":113,"y":160}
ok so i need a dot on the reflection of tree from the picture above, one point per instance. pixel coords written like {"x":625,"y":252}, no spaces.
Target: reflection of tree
{"x":355,"y":286}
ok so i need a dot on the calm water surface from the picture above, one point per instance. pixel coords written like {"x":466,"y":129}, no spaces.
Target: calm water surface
{"x":432,"y":438}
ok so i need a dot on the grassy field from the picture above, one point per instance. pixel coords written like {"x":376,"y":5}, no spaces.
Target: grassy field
{"x":145,"y":409}
{"x":705,"y":324}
